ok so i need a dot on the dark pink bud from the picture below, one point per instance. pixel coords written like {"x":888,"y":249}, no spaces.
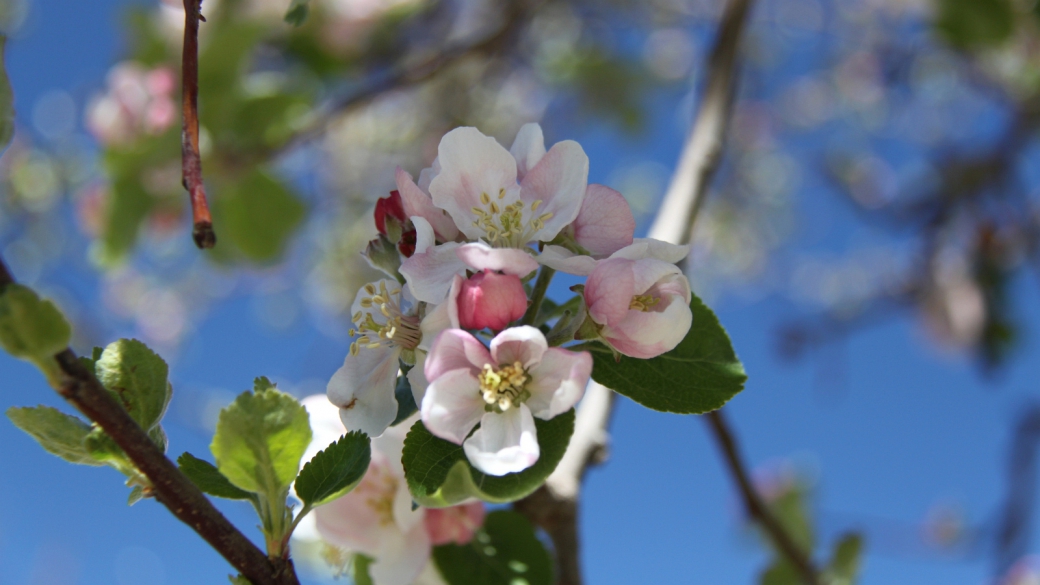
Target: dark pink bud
{"x":389,"y":206}
{"x":492,"y":300}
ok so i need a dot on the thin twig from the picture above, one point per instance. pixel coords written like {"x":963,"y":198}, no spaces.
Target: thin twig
{"x":554,"y":507}
{"x":756,"y":508}
{"x":169,"y":486}
{"x":191,"y":160}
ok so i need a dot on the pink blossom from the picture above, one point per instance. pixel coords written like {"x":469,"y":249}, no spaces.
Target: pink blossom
{"x":456,"y":524}
{"x":492,"y":300}
{"x":502,"y":390}
{"x":138,"y":101}
{"x":642,"y":306}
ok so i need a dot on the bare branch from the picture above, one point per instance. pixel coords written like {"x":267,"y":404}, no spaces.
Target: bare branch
{"x":169,"y":486}
{"x":191,"y":160}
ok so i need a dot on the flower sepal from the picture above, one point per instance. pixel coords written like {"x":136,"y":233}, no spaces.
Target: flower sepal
{"x":382,"y":254}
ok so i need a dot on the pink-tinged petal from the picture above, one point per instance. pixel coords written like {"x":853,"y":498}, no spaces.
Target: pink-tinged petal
{"x":528,"y":148}
{"x":605,"y":223}
{"x":558,"y":181}
{"x":455,"y":349}
{"x":455,"y":525}
{"x":400,"y":560}
{"x":418,"y":203}
{"x":650,"y":248}
{"x":480,"y":256}
{"x":524,"y":344}
{"x":363,"y":389}
{"x":452,"y":405}
{"x":441,"y":317}
{"x":562,"y":259}
{"x":425,"y":238}
{"x":646,"y":273}
{"x":471,"y":164}
{"x":352,"y":521}
{"x":558,"y":382}
{"x":609,"y":290}
{"x":675,"y":286}
{"x":504,"y":443}
{"x":492,"y":300}
{"x":429,"y":274}
{"x":647,"y":335}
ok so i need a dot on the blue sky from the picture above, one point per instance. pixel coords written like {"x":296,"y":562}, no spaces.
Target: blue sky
{"x":891,"y":431}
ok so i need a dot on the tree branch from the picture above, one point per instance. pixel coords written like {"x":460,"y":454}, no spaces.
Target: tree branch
{"x":191,"y":160}
{"x":554,"y":506}
{"x":169,"y":486}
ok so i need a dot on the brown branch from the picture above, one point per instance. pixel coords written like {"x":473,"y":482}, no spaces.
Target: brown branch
{"x":191,"y":160}
{"x":169,"y":486}
{"x":756,"y":508}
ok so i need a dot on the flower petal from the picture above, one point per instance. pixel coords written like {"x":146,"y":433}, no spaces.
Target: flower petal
{"x":504,"y":443}
{"x":558,"y":181}
{"x":429,"y":273}
{"x":524,"y":344}
{"x":528,"y":148}
{"x":651,"y":248}
{"x":562,"y":259}
{"x":480,"y":256}
{"x":400,"y":560}
{"x":471,"y":164}
{"x":609,"y":290}
{"x":417,"y":378}
{"x":455,"y":349}
{"x":326,"y":426}
{"x":647,"y":272}
{"x":418,"y":203}
{"x":363,"y":389}
{"x":452,"y":405}
{"x":647,"y":335}
{"x":605,"y":223}
{"x":558,"y":382}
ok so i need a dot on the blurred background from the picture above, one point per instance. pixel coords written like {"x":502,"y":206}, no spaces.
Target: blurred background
{"x":871,"y":242}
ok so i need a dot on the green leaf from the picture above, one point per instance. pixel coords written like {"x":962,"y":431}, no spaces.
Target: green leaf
{"x":58,"y":433}
{"x":31,"y":328}
{"x":504,"y":552}
{"x":700,"y":375}
{"x":335,"y":470}
{"x":360,"y":573}
{"x":260,"y":439}
{"x":406,"y":406}
{"x":239,"y":580}
{"x":780,"y":572}
{"x":259,"y":214}
{"x":138,"y":378}
{"x":439,"y":474}
{"x":6,"y":101}
{"x":158,"y":436}
{"x":845,"y":561}
{"x":297,"y":12}
{"x":972,"y":24}
{"x":136,"y":495}
{"x":208,"y":478}
{"x":790,"y":510}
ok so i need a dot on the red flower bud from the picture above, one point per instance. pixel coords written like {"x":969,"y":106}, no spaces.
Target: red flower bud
{"x":392,"y":206}
{"x":489,"y":299}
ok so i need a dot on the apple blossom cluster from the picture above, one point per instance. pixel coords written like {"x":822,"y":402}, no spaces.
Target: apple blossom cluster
{"x":461,"y":312}
{"x":139,"y":101}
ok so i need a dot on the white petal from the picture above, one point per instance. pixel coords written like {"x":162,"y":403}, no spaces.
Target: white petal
{"x":480,"y":256}
{"x":400,"y":560}
{"x":417,"y":380}
{"x":524,"y":344}
{"x":452,"y":405}
{"x":471,"y":164}
{"x":528,"y":148}
{"x":558,"y":181}
{"x":651,"y":248}
{"x":455,"y":349}
{"x":363,"y":389}
{"x":504,"y":443}
{"x":429,"y":274}
{"x":558,"y":382}
{"x":391,"y":286}
{"x":418,"y":203}
{"x":424,"y":235}
{"x":326,"y":426}
{"x":562,"y":259}
{"x":649,"y":271}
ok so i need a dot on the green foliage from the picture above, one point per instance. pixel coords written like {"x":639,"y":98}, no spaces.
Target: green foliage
{"x":136,"y":495}
{"x":439,"y":474}
{"x":790,"y":510}
{"x":974,"y":24}
{"x":257,"y":214}
{"x":138,"y":378}
{"x":58,"y":433}
{"x":260,"y":439}
{"x":845,"y":561}
{"x":700,"y":375}
{"x":335,"y":470}
{"x":504,"y":552}
{"x":406,"y":406}
{"x":297,"y":13}
{"x":208,"y":478}
{"x":360,"y":574}
{"x":6,"y":101}
{"x":31,"y":328}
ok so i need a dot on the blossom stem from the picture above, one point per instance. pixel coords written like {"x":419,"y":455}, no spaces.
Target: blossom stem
{"x":538,"y":295}
{"x":169,"y":486}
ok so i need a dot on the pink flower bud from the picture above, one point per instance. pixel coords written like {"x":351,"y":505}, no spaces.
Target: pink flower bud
{"x":489,"y":299}
{"x":456,"y":524}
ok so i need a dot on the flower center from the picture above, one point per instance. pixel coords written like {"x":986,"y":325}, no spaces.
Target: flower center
{"x":503,"y":388}
{"x":382,"y":502}
{"x":643,"y":303}
{"x":393,"y":326}
{"x":504,"y":225}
